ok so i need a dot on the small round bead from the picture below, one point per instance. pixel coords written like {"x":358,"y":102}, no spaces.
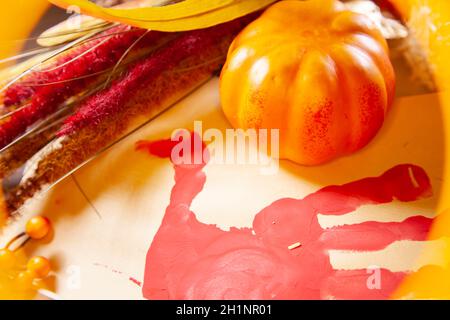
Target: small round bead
{"x":38,"y":227}
{"x":39,"y":266}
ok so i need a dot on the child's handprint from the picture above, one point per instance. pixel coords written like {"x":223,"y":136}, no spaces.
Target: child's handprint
{"x":285,"y":254}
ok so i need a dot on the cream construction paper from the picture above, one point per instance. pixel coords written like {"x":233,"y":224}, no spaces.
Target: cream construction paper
{"x":95,"y":251}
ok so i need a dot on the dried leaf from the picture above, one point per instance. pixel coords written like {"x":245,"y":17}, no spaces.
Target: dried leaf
{"x":181,"y":16}
{"x":79,"y":25}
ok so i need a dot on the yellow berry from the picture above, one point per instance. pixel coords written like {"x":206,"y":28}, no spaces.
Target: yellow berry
{"x":24,"y":280}
{"x":39,"y":266}
{"x":38,"y":227}
{"x":7,"y":259}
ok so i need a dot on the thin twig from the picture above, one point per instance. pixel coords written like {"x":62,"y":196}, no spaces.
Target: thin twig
{"x":85,"y":196}
{"x":25,"y":55}
{"x":56,"y":53}
{"x":123,"y":57}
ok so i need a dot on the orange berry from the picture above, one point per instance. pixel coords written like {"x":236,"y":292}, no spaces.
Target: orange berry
{"x":7,"y":259}
{"x":24,"y":280}
{"x":38,"y":227}
{"x":39,"y":266}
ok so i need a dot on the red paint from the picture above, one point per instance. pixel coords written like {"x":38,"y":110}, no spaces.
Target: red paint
{"x":192,"y":260}
{"x":136,"y":282}
{"x":132,"y":279}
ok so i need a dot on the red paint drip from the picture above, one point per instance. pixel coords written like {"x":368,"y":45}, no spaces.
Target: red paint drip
{"x":136,"y":282}
{"x":192,"y":260}
{"x":132,"y":279}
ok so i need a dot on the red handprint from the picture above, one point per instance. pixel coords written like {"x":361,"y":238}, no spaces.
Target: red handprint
{"x":192,"y":260}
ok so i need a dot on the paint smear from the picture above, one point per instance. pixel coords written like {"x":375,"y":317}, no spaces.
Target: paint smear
{"x":135,"y":281}
{"x":285,"y":254}
{"x":132,"y":279}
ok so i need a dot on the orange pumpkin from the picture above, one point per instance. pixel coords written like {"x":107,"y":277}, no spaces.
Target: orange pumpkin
{"x":318,"y":73}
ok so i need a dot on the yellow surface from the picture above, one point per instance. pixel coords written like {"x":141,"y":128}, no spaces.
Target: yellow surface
{"x":431,"y":21}
{"x":17,"y":17}
{"x":181,"y":16}
{"x":95,"y":251}
{"x":17,"y":20}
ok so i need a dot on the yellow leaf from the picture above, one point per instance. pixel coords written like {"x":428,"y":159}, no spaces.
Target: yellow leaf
{"x":181,"y":16}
